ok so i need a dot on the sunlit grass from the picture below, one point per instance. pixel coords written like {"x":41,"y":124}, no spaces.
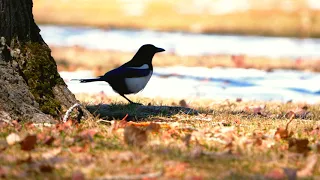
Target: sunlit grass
{"x":228,"y":139}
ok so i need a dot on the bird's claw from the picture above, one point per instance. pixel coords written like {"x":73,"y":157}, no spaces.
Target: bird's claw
{"x":136,"y":103}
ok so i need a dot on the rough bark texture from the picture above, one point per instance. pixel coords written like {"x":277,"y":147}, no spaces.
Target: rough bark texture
{"x":30,"y":86}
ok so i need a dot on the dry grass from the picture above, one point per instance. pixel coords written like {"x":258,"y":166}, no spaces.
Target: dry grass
{"x":167,"y":16}
{"x":227,"y":140}
{"x":73,"y":58}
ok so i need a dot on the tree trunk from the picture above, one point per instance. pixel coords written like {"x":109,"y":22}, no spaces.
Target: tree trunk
{"x":30,"y":86}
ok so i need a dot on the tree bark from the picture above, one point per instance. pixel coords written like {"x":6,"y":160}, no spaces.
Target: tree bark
{"x":30,"y":86}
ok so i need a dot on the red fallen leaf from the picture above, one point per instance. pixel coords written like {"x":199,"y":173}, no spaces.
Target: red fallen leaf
{"x":154,"y":127}
{"x":183,"y":103}
{"x":299,"y":145}
{"x":135,"y":136}
{"x":290,"y":115}
{"x":77,"y":175}
{"x":46,"y":168}
{"x":63,"y":126}
{"x":237,"y":121}
{"x":49,"y":140}
{"x":255,"y":109}
{"x":276,"y":173}
{"x":175,"y":169}
{"x":77,"y":149}
{"x":88,"y":133}
{"x":29,"y":125}
{"x":300,"y":112}
{"x":238,"y":60}
{"x":29,"y":142}
{"x":4,"y":171}
{"x":41,"y":136}
{"x":16,"y":125}
{"x":258,"y":142}
{"x":282,"y":133}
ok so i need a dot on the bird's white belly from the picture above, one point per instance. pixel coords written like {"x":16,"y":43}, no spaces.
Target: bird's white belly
{"x":137,"y":84}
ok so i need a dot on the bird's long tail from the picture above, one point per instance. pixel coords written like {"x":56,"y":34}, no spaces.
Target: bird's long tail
{"x":88,"y":80}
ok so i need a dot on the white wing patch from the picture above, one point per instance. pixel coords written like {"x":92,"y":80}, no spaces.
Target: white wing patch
{"x":144,"y":66}
{"x":137,"y":84}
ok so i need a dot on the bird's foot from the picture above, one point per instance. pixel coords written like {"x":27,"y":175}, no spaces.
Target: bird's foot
{"x":136,"y":103}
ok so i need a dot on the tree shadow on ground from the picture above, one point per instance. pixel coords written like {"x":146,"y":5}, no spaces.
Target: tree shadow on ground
{"x":137,"y":112}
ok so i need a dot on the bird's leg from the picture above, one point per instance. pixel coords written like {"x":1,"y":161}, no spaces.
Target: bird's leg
{"x":131,"y":102}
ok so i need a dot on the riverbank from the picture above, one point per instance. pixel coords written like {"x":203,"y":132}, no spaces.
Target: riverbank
{"x":273,"y":19}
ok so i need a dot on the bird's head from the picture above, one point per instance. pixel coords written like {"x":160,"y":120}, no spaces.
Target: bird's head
{"x":149,"y":48}
{"x":146,"y":53}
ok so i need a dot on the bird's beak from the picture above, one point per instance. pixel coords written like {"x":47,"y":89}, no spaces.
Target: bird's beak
{"x":160,"y":50}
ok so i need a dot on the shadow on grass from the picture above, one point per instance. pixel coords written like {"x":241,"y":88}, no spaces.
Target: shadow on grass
{"x":137,"y":112}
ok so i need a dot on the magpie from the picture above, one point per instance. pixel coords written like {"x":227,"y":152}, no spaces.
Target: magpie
{"x":133,"y":76}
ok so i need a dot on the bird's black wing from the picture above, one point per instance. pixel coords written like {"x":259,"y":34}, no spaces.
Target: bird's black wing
{"x":126,"y":72}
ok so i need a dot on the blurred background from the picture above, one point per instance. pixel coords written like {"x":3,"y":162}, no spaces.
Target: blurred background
{"x":215,"y":49}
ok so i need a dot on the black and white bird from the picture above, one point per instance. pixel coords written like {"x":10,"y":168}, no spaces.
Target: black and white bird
{"x":133,"y":76}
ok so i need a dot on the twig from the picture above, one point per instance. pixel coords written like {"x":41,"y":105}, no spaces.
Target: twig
{"x":132,"y":177}
{"x":66,"y":116}
{"x":102,"y":120}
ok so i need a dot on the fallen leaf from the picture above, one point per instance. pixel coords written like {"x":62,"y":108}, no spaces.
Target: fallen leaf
{"x":276,"y":173}
{"x":29,"y":142}
{"x":281,"y":133}
{"x":307,"y":170}
{"x":77,"y":149}
{"x":51,"y":153}
{"x":299,"y":145}
{"x":300,"y":112}
{"x":290,"y":115}
{"x":17,"y":125}
{"x":135,"y":136}
{"x":46,"y":168}
{"x":49,"y":140}
{"x":183,"y":103}
{"x":4,"y":171}
{"x":88,"y":133}
{"x":153,"y":127}
{"x":175,"y":169}
{"x":13,"y":138}
{"x":77,"y":175}
{"x":257,"y":110}
{"x":64,"y":126}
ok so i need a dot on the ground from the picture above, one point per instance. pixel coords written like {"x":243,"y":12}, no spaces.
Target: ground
{"x":229,"y":139}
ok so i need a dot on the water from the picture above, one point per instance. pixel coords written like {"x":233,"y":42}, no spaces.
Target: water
{"x":216,"y":83}
{"x":181,"y":43}
{"x":199,"y":82}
